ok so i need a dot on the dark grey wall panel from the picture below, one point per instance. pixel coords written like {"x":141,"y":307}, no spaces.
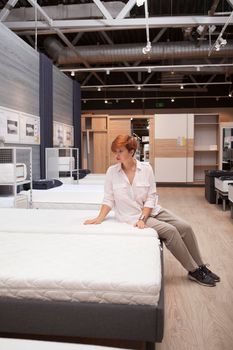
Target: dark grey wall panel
{"x":19,"y":72}
{"x":62,"y":97}
{"x":19,"y":82}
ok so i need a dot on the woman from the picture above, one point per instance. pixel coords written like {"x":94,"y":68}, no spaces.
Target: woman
{"x":130,"y":189}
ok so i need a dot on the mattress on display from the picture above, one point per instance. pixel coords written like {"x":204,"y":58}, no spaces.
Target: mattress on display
{"x":80,"y":268}
{"x":65,"y":221}
{"x":10,"y":172}
{"x":222,"y":183}
{"x":230,"y":193}
{"x":59,"y":198}
{"x":25,"y":344}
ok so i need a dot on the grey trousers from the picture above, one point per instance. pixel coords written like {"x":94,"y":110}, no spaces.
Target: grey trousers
{"x":179,"y":238}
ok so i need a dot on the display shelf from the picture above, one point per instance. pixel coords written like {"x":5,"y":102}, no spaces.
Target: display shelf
{"x":206,"y":144}
{"x":62,"y":164}
{"x":15,"y":171}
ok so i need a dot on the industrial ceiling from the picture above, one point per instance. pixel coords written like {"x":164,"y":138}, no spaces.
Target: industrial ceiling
{"x":135,"y":53}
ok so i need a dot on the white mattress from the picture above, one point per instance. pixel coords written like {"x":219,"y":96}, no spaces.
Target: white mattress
{"x":66,"y":163}
{"x":65,"y":221}
{"x":78,"y":188}
{"x":222,"y":185}
{"x":96,"y":179}
{"x":83,"y":268}
{"x":61,"y":199}
{"x":9,"y":173}
{"x":230,"y":193}
{"x":22,"y":344}
{"x":7,"y":202}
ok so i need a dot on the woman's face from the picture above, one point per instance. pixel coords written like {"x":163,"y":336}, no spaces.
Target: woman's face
{"x":123,"y":155}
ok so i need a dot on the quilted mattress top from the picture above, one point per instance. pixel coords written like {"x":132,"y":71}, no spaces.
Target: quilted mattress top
{"x":65,"y":221}
{"x":83,"y":268}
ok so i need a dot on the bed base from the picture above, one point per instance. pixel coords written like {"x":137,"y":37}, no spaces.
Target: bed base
{"x":37,"y":318}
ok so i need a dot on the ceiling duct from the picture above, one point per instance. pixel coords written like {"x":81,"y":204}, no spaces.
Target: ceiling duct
{"x":96,"y":54}
{"x":64,"y":12}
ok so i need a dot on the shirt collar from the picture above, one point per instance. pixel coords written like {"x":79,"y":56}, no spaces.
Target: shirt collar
{"x":138,"y":165}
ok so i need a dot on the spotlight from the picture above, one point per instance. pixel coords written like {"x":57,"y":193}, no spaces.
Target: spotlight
{"x":72,"y":73}
{"x":147,"y":48}
{"x":84,"y":101}
{"x":149,"y":70}
{"x":107,"y":71}
{"x":172,"y":72}
{"x":220,"y":42}
{"x":181,"y":87}
{"x":200,"y":29}
{"x":198,"y":69}
{"x":99,"y":88}
{"x":140,"y":2}
{"x":212,"y":28}
{"x":230,"y":94}
{"x":105,"y":101}
{"x":132,"y":101}
{"x":172,"y":100}
{"x":139,"y":87}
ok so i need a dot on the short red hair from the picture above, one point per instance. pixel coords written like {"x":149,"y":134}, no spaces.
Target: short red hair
{"x":124,"y":141}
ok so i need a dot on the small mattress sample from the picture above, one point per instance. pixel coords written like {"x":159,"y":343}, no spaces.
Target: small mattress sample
{"x":230,"y":193}
{"x":79,"y":188}
{"x":7,"y":202}
{"x":66,"y":163}
{"x":222,"y":183}
{"x":65,"y":222}
{"x":25,"y":344}
{"x":80,"y":268}
{"x":60,"y":199}
{"x":10,"y":172}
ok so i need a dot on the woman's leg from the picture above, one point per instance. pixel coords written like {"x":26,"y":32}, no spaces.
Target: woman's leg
{"x":185,"y":231}
{"x":173,"y":241}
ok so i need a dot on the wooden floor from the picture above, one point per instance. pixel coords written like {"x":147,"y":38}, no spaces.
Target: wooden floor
{"x":198,"y":317}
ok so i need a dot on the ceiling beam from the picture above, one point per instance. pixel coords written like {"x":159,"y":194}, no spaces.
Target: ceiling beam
{"x":130,"y":4}
{"x":198,"y":68}
{"x":7,"y":9}
{"x":49,"y":22}
{"x":103,"y":9}
{"x":230,"y":2}
{"x":120,"y":24}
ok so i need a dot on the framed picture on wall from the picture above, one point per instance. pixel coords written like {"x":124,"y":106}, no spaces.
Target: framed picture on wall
{"x":58,"y":134}
{"x":9,"y":125}
{"x":68,"y":135}
{"x":29,"y":129}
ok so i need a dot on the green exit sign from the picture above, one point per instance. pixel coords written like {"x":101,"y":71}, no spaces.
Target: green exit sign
{"x":159,"y":104}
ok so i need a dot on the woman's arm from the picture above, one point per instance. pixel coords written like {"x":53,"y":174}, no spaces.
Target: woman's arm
{"x":105,"y":209}
{"x":141,"y":223}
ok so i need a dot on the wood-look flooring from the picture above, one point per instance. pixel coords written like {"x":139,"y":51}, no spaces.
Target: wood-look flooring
{"x":198,"y":317}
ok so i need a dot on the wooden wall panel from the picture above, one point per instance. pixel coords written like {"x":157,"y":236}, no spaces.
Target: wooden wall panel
{"x":169,"y":148}
{"x":116,"y":127}
{"x":100,"y":163}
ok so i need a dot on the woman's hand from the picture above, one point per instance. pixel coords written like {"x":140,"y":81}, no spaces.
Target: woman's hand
{"x":140,"y":224}
{"x":95,"y":221}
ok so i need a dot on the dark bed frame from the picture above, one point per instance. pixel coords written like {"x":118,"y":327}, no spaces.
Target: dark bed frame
{"x":36,"y":319}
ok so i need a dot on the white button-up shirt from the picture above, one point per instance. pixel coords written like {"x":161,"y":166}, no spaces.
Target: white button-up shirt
{"x":129,"y":200}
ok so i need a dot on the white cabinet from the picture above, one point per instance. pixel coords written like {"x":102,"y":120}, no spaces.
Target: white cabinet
{"x":62,"y":164}
{"x":174,"y":147}
{"x":15,"y":171}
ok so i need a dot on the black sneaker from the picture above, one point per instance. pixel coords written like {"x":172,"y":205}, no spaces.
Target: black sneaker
{"x":201,"y":277}
{"x":210,"y":273}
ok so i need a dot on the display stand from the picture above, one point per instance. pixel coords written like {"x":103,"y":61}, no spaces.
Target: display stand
{"x":62,"y":164}
{"x":15,"y":171}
